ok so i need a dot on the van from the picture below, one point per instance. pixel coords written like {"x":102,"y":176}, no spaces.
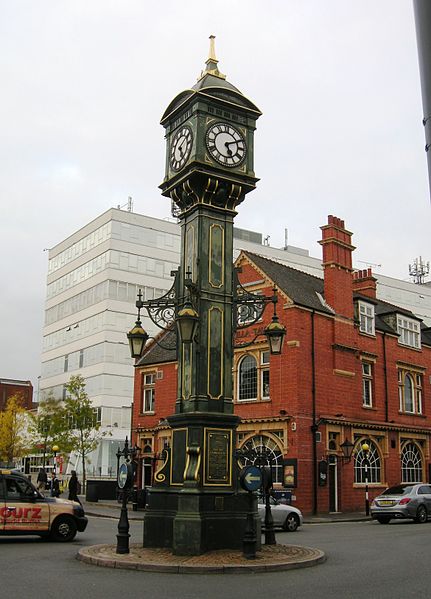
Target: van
{"x":25,"y":511}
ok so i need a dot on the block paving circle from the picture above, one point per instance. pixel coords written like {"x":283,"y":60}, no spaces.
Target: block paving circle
{"x":269,"y":559}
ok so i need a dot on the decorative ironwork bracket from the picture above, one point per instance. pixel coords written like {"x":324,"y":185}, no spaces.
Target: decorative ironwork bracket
{"x":161,"y":310}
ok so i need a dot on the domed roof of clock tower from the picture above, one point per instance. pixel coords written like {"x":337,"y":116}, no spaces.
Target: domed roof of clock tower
{"x":212,"y":83}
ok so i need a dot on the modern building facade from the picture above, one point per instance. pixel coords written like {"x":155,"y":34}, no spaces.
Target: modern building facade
{"x":93,"y":279}
{"x":354,"y":367}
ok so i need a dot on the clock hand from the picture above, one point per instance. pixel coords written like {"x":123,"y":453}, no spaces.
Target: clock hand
{"x":235,"y":141}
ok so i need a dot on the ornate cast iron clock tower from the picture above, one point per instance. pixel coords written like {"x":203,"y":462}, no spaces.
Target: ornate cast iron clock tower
{"x":194,"y":504}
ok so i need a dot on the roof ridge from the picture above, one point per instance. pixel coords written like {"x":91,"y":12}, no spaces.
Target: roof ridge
{"x":274,"y":261}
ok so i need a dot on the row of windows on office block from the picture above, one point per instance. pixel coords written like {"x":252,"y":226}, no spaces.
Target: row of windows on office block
{"x":114,"y":353}
{"x":102,"y":384}
{"x":113,"y":290}
{"x":112,"y":259}
{"x":106,"y":320}
{"x":115,"y":230}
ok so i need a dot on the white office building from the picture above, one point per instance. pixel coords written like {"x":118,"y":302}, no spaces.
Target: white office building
{"x":93,"y":279}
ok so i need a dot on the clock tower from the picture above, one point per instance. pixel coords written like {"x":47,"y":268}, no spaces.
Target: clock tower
{"x":195,"y":504}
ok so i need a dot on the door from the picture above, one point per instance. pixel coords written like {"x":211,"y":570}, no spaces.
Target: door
{"x":25,"y":510}
{"x":333,"y":483}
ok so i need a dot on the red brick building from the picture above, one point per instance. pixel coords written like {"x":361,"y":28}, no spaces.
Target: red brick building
{"x":22,"y":389}
{"x":352,"y":367}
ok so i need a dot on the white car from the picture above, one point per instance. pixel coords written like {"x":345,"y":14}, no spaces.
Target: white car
{"x":285,"y":516}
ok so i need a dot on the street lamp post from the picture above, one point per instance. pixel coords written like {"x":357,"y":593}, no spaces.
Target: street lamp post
{"x":55,"y":449}
{"x":125,"y":477}
{"x":366,"y":448}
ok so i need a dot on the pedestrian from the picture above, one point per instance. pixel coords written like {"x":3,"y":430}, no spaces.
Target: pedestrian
{"x":74,"y":487}
{"x":42,"y":479}
{"x":54,"y":486}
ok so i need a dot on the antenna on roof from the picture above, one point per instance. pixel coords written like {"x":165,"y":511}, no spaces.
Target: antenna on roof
{"x":419,"y":270}
{"x":129,"y":205}
{"x":369,"y":264}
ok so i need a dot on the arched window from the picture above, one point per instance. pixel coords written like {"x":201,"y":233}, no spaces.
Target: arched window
{"x":411,"y":464}
{"x":247,"y":378}
{"x":259,"y":441}
{"x":408,"y":393}
{"x":374,"y":463}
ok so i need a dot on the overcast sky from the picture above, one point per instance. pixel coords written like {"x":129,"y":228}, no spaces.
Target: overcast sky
{"x":83,"y":85}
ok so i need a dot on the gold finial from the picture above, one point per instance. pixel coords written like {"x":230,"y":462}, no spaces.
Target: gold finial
{"x":212,"y":56}
{"x":211,"y":62}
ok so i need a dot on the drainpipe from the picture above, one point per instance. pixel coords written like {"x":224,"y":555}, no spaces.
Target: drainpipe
{"x":386,"y":379}
{"x":315,"y":425}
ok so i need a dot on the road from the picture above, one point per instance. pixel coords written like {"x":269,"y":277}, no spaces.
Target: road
{"x":365,"y":560}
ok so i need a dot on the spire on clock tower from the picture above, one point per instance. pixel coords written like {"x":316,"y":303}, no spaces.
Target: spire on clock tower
{"x":211,"y":62}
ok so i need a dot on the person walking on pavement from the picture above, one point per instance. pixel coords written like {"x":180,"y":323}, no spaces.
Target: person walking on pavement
{"x":74,"y":487}
{"x":54,"y":486}
{"x":42,"y":479}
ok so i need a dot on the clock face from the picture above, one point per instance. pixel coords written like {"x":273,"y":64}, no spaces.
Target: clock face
{"x":226,"y":144}
{"x":180,"y":148}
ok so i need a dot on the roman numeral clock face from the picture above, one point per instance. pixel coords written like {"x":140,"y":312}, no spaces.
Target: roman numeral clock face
{"x":226,"y":144}
{"x":180,"y":148}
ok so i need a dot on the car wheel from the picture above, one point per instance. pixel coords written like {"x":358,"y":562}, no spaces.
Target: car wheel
{"x":421,"y":515}
{"x":64,"y":529}
{"x":383,"y":520}
{"x":291,"y":523}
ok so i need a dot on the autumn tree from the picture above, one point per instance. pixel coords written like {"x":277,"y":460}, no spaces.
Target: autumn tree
{"x":81,"y":432}
{"x":47,"y":425}
{"x":14,"y":442}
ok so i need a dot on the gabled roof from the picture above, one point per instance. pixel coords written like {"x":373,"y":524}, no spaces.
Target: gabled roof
{"x":163,"y":348}
{"x":302,"y":288}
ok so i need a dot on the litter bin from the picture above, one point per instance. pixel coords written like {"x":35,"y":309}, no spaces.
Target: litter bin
{"x":91,"y":493}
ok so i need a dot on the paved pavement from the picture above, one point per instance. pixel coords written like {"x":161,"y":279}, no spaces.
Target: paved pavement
{"x":111,"y":509}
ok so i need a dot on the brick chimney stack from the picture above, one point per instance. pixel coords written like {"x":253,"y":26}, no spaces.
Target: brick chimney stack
{"x":365,"y":283}
{"x":337,"y":266}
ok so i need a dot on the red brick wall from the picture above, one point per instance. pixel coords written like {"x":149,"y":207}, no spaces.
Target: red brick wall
{"x":24,"y":391}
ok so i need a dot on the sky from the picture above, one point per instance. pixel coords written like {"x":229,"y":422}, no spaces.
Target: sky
{"x":83,"y":86}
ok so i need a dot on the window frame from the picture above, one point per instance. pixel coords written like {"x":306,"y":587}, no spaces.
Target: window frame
{"x":415,"y":383}
{"x":367,"y":322}
{"x":409,"y":330}
{"x":261,"y":386}
{"x":375,"y":464}
{"x":367,"y":382}
{"x":148,"y":390}
{"x":254,"y":383}
{"x":264,"y":371}
{"x":417,"y":467}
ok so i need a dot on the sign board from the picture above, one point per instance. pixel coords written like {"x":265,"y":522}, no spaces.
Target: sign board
{"x":251,"y":478}
{"x":124,"y":476}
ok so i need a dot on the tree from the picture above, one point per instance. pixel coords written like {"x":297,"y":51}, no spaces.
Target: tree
{"x":14,"y":442}
{"x":81,"y":432}
{"x":47,"y":426}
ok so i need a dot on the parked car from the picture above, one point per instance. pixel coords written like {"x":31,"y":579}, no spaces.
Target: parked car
{"x":284,"y":516}
{"x":25,"y":511}
{"x":403,"y":501}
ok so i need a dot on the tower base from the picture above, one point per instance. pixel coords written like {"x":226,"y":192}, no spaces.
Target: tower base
{"x":192,"y":522}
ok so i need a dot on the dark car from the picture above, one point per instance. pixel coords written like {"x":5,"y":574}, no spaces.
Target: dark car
{"x":412,"y":501}
{"x":25,"y":511}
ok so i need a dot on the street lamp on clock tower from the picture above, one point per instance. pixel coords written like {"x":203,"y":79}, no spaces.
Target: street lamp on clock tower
{"x":210,"y":128}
